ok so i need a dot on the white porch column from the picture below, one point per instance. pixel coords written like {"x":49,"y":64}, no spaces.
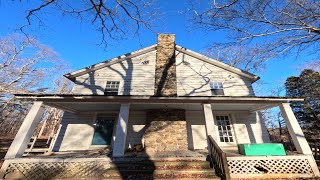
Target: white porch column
{"x":295,"y":130}
{"x":209,"y":120}
{"x":26,"y":131}
{"x":121,"y":131}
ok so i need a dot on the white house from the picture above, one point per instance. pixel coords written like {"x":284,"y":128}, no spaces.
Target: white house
{"x":169,"y":99}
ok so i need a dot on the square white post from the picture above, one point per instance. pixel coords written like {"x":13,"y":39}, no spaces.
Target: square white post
{"x":295,"y":130}
{"x":209,"y":120}
{"x":26,"y":131}
{"x":119,"y":146}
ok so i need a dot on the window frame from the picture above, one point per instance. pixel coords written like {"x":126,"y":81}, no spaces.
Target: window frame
{"x":217,"y":87}
{"x":114,"y":91}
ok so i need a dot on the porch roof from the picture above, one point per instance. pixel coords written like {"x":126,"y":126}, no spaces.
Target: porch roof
{"x":71,"y":102}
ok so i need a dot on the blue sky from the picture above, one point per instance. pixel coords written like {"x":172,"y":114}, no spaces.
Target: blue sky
{"x":76,"y":43}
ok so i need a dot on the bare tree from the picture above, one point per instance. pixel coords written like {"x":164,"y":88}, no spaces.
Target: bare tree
{"x":52,"y":116}
{"x":268,"y":27}
{"x":116,"y":19}
{"x":273,"y":117}
{"x":26,"y":66}
{"x":238,"y":56}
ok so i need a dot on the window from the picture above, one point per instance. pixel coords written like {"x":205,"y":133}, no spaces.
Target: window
{"x":216,"y":88}
{"x":225,"y":129}
{"x":103,"y":131}
{"x":112,"y":88}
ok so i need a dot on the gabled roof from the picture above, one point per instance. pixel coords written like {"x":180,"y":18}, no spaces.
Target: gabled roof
{"x":217,"y":63}
{"x":194,"y":54}
{"x":109,"y":62}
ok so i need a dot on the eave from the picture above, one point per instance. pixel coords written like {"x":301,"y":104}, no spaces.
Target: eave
{"x":153,"y":99}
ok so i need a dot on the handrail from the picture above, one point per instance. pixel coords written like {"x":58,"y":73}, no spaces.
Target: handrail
{"x":315,"y":151}
{"x":218,"y":159}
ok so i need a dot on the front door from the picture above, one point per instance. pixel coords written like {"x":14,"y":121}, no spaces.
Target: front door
{"x":103,"y":131}
{"x":225,"y":129}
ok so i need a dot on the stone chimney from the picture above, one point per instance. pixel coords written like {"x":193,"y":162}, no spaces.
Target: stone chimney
{"x":165,"y":76}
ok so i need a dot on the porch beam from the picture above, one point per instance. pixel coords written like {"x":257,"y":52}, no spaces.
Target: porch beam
{"x":62,"y":107}
{"x":121,"y":131}
{"x":295,"y":130}
{"x":209,"y":121}
{"x":26,"y":131}
{"x":156,"y":100}
{"x":262,"y":107}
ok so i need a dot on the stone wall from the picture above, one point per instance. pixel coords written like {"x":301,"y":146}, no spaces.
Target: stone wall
{"x":165,"y":72}
{"x":166,"y":131}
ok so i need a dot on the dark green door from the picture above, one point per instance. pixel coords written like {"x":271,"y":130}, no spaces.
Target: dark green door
{"x":103,"y":131}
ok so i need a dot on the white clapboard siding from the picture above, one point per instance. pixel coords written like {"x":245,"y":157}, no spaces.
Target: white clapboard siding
{"x":76,"y":132}
{"x":196,"y":130}
{"x":136,"y":128}
{"x":194,"y":76}
{"x":249,"y":128}
{"x":136,"y":77}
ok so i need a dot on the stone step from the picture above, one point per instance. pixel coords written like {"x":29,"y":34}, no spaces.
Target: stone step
{"x":165,"y":174}
{"x":161,"y":165}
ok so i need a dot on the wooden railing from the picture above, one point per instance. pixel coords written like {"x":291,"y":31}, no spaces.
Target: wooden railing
{"x":218,"y":159}
{"x":315,"y":151}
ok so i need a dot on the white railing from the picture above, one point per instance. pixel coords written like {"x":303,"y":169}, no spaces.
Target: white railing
{"x":51,"y":168}
{"x":272,"y":166}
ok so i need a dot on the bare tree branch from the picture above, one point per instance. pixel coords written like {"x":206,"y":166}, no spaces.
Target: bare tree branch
{"x":116,"y":19}
{"x":271,"y":28}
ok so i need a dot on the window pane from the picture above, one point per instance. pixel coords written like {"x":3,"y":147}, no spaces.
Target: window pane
{"x":225,"y":130}
{"x":112,"y":88}
{"x":103,"y":131}
{"x":216,"y":85}
{"x":216,"y":92}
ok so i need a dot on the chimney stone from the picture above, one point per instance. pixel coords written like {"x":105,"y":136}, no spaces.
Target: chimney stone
{"x":165,"y":70}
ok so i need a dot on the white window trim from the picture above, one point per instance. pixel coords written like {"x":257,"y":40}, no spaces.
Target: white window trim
{"x":211,"y":87}
{"x":120,"y":88}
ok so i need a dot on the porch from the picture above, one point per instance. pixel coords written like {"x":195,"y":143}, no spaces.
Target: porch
{"x":201,"y":113}
{"x":229,"y":164}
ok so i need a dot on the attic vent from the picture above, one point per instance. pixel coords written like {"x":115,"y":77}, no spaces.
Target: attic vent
{"x":145,"y":62}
